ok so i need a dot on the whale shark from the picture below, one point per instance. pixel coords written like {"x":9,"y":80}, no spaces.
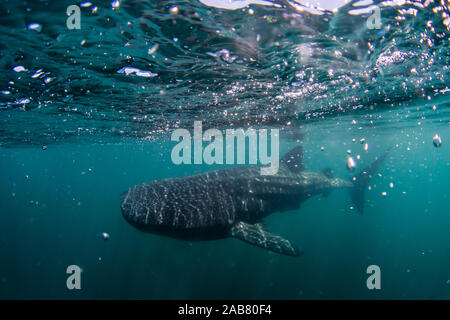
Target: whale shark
{"x":233,"y":202}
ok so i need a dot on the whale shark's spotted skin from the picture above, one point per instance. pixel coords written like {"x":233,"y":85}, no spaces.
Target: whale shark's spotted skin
{"x":224,"y":203}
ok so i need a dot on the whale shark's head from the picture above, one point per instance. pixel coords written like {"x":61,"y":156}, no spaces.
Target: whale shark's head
{"x":137,"y":205}
{"x":126,"y":204}
{"x":147,"y":205}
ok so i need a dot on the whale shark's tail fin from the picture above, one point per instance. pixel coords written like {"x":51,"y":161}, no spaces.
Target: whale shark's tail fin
{"x":361,"y":181}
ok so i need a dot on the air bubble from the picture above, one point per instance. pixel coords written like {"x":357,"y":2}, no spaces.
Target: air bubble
{"x":104,"y":235}
{"x":437,"y":141}
{"x":351,"y":163}
{"x":35,"y":26}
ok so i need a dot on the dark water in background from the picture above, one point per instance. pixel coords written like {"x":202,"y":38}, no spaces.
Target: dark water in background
{"x":325,"y":75}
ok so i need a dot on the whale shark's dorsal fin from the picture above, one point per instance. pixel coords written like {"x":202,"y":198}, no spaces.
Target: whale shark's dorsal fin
{"x":258,"y":235}
{"x":294,"y":159}
{"x":327,"y":172}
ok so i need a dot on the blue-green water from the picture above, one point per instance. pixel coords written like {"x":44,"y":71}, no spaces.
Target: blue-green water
{"x":325,"y":75}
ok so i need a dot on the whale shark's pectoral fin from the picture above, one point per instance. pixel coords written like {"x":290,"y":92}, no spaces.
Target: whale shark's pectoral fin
{"x":258,"y":235}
